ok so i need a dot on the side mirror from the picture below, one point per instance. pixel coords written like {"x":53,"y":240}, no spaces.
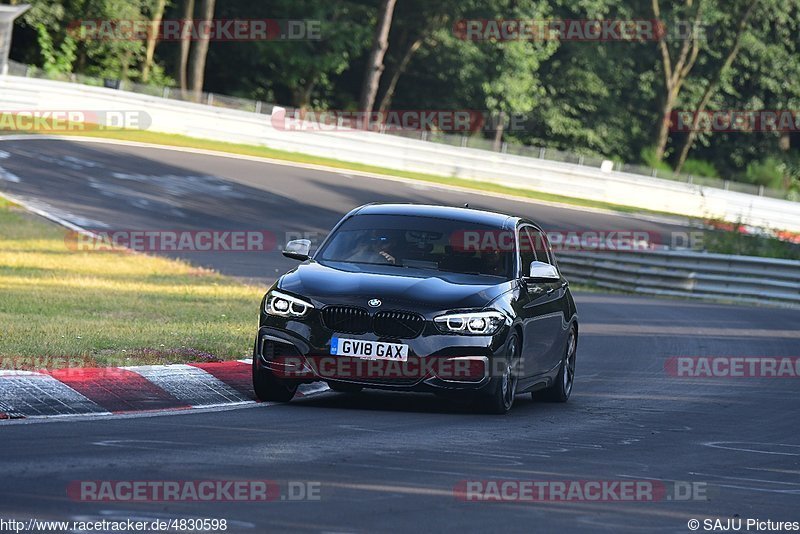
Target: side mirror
{"x":297,"y":249}
{"x":543,"y":272}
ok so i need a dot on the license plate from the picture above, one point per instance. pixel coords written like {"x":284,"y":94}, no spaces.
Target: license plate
{"x":371,"y":350}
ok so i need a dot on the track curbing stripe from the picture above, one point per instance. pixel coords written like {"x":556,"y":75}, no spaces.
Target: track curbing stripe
{"x":116,"y":389}
{"x":127,"y":390}
{"x":192,"y":385}
{"x":235,"y":374}
{"x":40,"y":394}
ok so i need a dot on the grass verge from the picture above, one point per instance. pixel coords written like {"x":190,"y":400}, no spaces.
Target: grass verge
{"x":736,"y":242}
{"x":62,"y":308}
{"x":144,"y":136}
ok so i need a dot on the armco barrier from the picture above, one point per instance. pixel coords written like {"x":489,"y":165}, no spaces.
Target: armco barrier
{"x":744,"y":279}
{"x":196,"y":120}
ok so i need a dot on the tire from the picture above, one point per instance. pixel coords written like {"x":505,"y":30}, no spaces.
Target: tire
{"x":505,"y":386}
{"x":345,"y":388}
{"x":562,"y":386}
{"x":267,"y":386}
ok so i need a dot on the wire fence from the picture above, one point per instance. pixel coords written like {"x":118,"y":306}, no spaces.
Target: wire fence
{"x":475,"y":141}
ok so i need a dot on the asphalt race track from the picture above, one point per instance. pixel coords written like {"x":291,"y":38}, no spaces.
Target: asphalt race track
{"x":388,"y":462}
{"x":113,"y":187}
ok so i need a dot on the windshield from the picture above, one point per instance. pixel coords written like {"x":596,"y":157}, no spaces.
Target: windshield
{"x":422,"y":243}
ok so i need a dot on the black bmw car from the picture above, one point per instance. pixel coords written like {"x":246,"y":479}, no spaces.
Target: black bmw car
{"x":453,"y":301}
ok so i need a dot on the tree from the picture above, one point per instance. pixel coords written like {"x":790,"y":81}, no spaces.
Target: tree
{"x":714,"y":81}
{"x":398,"y":71}
{"x":315,"y":72}
{"x":765,"y":57}
{"x":415,"y":24}
{"x":374,"y":68}
{"x":675,"y":71}
{"x":57,"y":60}
{"x":511,"y":84}
{"x":187,"y":23}
{"x":152,"y":38}
{"x":760,"y":79}
{"x":514,"y":89}
{"x":197,"y":63}
{"x":57,"y":22}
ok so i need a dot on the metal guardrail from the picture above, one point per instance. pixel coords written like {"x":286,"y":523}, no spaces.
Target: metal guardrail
{"x":741,"y":279}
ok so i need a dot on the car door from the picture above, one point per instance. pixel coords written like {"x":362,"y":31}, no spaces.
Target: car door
{"x":543,"y":308}
{"x":559,"y":298}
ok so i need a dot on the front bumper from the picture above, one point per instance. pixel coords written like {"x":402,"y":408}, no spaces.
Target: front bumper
{"x":436,"y":362}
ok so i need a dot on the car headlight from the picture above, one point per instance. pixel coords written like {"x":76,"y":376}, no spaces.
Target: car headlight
{"x":475,"y":323}
{"x":284,"y":305}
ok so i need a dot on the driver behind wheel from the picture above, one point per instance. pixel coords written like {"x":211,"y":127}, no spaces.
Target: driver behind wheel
{"x":374,"y":247}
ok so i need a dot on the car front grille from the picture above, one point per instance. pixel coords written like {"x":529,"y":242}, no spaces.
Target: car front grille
{"x":397,"y":324}
{"x":346,"y":319}
{"x":353,"y":320}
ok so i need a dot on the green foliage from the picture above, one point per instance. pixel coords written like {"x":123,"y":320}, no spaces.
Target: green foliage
{"x":56,"y":61}
{"x":699,"y":167}
{"x":648,"y":157}
{"x":159,"y":77}
{"x":768,"y":172}
{"x":735,"y":242}
{"x":64,"y":50}
{"x":298,"y":73}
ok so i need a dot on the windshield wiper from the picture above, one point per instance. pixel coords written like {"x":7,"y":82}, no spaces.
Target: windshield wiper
{"x":368,"y":263}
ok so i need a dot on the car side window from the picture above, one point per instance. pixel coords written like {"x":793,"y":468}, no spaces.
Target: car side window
{"x":541,"y":246}
{"x":550,"y":254}
{"x":527,"y":251}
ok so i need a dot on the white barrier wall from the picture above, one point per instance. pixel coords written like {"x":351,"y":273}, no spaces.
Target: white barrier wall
{"x":208,"y":122}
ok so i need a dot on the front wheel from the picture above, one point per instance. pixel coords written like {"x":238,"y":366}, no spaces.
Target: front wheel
{"x":562,"y":386}
{"x":267,"y":386}
{"x":505,"y":386}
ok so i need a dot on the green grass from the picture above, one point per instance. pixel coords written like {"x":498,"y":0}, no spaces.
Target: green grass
{"x":727,"y":242}
{"x":59,"y":307}
{"x":144,"y":136}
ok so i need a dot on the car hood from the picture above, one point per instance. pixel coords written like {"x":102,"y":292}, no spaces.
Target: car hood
{"x":397,"y":287}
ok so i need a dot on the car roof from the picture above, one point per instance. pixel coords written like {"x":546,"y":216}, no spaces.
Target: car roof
{"x":488,"y":218}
